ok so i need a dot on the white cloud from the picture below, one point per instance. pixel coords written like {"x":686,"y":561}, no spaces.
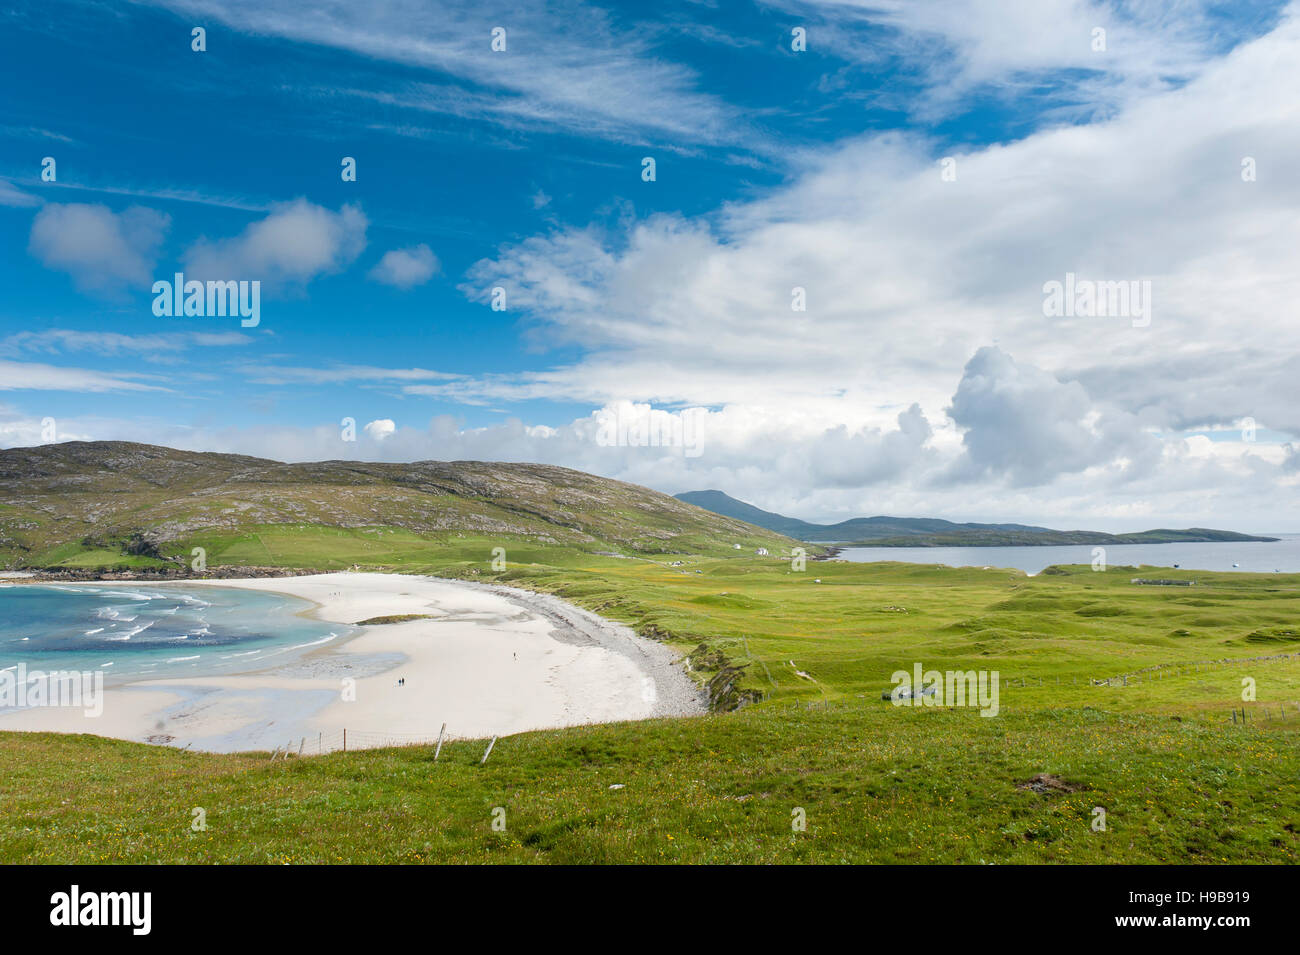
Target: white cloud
{"x":908,"y":277}
{"x":11,"y":195}
{"x":1021,"y":48}
{"x":294,"y":244}
{"x":115,"y":343}
{"x":19,"y":375}
{"x":23,"y":431}
{"x":380,"y":429}
{"x":601,"y":78}
{"x":101,"y":249}
{"x":1021,"y":423}
{"x":406,"y":268}
{"x":788,"y":463}
{"x":336,"y":374}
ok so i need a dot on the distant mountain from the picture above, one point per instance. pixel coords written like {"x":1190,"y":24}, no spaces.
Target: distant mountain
{"x":933,"y":532}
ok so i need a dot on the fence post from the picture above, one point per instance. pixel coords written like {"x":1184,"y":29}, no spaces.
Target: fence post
{"x":345,"y":739}
{"x":439,"y":749}
{"x":487,"y":752}
{"x":301,"y":745}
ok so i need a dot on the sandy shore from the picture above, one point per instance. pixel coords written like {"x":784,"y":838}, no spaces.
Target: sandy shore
{"x":489,"y":661}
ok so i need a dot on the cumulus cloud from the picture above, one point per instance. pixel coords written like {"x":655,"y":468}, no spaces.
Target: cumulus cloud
{"x":788,"y":463}
{"x":907,"y":275}
{"x":104,"y":251}
{"x":294,"y":244}
{"x":406,"y":268}
{"x":1021,"y":423}
{"x":380,"y":429}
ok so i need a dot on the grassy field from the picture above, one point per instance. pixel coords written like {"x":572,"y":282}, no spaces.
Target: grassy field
{"x":1179,"y":781}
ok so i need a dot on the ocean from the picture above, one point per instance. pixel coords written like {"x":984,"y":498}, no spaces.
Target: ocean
{"x":1281,"y":556}
{"x":158,"y":630}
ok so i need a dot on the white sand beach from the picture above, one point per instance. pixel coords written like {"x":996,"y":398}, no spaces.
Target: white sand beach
{"x":489,"y":661}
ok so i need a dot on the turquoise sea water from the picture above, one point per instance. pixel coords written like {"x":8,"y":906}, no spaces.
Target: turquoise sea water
{"x":163,"y":630}
{"x":1265,"y":557}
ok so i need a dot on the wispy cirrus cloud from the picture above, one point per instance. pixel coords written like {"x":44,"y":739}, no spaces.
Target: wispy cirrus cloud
{"x":11,"y":195}
{"x":1091,"y":54}
{"x":164,"y":194}
{"x":55,"y":340}
{"x":34,"y":376}
{"x":35,"y":132}
{"x":336,"y":374}
{"x":567,"y":65}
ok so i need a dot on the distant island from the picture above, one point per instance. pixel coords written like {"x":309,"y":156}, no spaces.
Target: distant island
{"x":933,"y":532}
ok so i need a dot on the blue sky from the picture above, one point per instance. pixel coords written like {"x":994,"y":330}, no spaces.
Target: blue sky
{"x":813,"y":168}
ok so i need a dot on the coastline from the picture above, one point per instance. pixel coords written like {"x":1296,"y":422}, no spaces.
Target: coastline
{"x":488,"y":660}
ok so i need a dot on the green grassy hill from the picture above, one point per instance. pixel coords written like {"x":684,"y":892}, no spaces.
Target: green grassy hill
{"x":89,"y":504}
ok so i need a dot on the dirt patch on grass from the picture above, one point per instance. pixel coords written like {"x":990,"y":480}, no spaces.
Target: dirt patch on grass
{"x":1047,"y":783}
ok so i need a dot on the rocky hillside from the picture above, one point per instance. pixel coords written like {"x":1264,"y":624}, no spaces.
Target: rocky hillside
{"x":85,"y":502}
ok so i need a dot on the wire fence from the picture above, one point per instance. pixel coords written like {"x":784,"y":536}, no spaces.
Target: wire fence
{"x":351,"y":739}
{"x":1151,"y":674}
{"x":318,"y":744}
{"x":1240,"y":716}
{"x":1165,"y":670}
